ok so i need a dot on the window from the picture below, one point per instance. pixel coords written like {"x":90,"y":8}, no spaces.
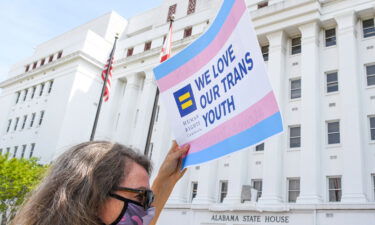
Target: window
{"x":50,"y":58}
{"x":41,"y":117}
{"x":191,"y":6}
{"x":372,"y":128}
{"x":265,"y":50}
{"x":188,"y":31}
{"x":258,"y":185}
{"x":368,"y":28}
{"x":330,"y":37}
{"x":9,"y":123}
{"x":332,"y":82}
{"x":32,"y":120}
{"x":295,"y":137}
{"x":223,"y":190}
{"x":32,"y":150}
{"x":34,"y":65}
{"x":129,"y":52}
{"x":262,"y":4}
{"x":295,"y":88}
{"x":171,"y":11}
{"x":25,"y":95}
{"x":293,"y":189}
{"x":373,"y":183}
{"x":27,"y":67}
{"x":334,"y":189}
{"x":59,"y":54}
{"x":18,"y":97}
{"x":16,"y":124}
{"x":23,"y":151}
{"x":194,"y":189}
{"x":42,"y":61}
{"x":8,"y":150}
{"x":1,"y":151}
{"x":33,"y":92}
{"x":333,"y":129}
{"x":41,"y":89}
{"x":296,"y":45}
{"x":370,"y":71}
{"x":50,"y":86}
{"x":24,"y":122}
{"x":15,"y":151}
{"x":147,"y":45}
{"x":259,"y":147}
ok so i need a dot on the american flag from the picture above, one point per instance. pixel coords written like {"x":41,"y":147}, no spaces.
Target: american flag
{"x":166,"y":50}
{"x":108,"y":69}
{"x":108,"y":83}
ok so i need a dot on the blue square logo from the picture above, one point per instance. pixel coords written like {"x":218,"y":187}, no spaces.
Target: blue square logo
{"x":185,"y":100}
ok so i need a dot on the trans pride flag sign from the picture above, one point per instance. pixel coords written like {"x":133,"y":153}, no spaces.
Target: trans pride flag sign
{"x":216,"y":91}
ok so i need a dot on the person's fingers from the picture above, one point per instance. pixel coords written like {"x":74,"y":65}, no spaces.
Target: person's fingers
{"x":174,"y":146}
{"x":183,"y":172}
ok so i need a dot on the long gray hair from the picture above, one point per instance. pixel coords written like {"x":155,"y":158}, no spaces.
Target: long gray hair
{"x":78,"y":184}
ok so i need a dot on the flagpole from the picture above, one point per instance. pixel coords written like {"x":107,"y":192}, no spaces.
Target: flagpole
{"x":103,"y":89}
{"x":153,"y":114}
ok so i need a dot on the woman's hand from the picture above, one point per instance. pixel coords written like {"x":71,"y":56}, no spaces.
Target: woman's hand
{"x":168,"y":175}
{"x":170,"y":170}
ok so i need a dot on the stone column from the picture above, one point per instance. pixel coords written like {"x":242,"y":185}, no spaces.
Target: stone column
{"x":273,"y":155}
{"x":207,"y":177}
{"x":310,"y":120}
{"x":238,"y":166}
{"x":147,"y":99}
{"x":353,"y":185}
{"x":128,"y":108}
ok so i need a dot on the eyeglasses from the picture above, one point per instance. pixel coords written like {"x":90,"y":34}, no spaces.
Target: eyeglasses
{"x":146,"y":196}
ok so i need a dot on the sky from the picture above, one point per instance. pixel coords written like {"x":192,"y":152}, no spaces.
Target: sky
{"x":26,"y":23}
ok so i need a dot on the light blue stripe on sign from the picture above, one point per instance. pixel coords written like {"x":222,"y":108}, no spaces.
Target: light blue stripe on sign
{"x":262,"y":130}
{"x":197,"y":46}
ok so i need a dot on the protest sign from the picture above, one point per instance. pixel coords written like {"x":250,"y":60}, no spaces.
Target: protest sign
{"x":216,"y":90}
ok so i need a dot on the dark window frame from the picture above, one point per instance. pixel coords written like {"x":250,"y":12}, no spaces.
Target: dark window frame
{"x":129,"y":52}
{"x":59,"y":54}
{"x":171,"y":11}
{"x":370,"y":75}
{"x":50,"y":59}
{"x":188,"y":31}
{"x":262,"y":4}
{"x":42,"y":61}
{"x":331,"y":134}
{"x":147,"y":45}
{"x":265,"y":52}
{"x":191,"y":7}
{"x":27,"y":67}
{"x":32,"y":150}
{"x":295,"y":137}
{"x":223,"y":190}
{"x":41,"y":117}
{"x":194,"y":190}
{"x":368,"y":30}
{"x":260,"y":147}
{"x":332,"y":85}
{"x":297,"y":190}
{"x":372,"y":128}
{"x":9,"y":125}
{"x":334,"y":192}
{"x":295,"y":92}
{"x":330,"y":38}
{"x":296,"y":46}
{"x":257,"y":184}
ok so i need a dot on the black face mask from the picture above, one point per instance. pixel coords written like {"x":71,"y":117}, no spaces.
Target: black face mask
{"x":133,"y":213}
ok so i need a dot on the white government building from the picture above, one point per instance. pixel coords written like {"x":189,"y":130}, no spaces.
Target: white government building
{"x":320,"y":56}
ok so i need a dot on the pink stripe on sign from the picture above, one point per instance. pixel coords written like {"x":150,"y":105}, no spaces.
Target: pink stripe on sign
{"x":196,"y":63}
{"x":261,"y":110}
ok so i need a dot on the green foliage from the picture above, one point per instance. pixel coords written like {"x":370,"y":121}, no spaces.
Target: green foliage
{"x":17,"y":178}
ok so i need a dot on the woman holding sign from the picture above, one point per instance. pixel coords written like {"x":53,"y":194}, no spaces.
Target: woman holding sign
{"x":97,"y":183}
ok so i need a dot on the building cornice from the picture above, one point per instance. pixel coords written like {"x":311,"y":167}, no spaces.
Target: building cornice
{"x":63,"y":60}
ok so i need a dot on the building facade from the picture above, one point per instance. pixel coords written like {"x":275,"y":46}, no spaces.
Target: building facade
{"x":320,"y":57}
